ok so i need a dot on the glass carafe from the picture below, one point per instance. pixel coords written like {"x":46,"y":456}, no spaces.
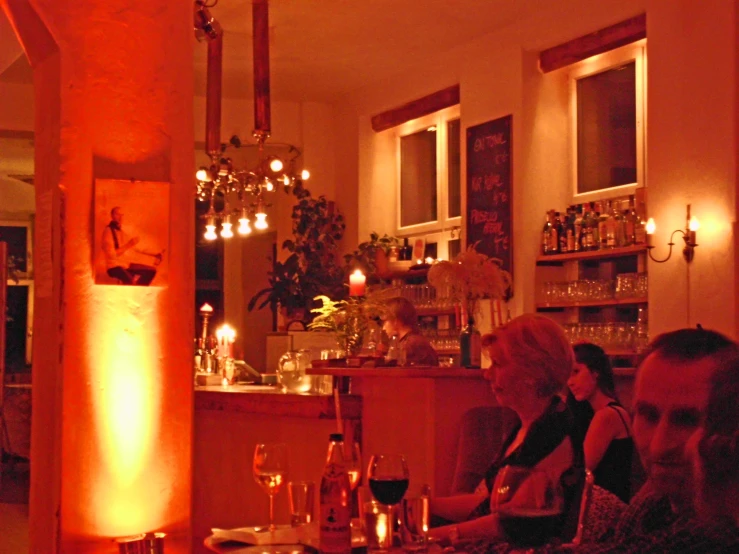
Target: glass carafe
{"x":291,"y":371}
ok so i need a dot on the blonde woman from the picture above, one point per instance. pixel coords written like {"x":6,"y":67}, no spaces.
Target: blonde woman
{"x":531,"y":362}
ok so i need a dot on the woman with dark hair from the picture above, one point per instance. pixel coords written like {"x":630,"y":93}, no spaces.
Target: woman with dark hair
{"x":607,"y":441}
{"x":401,"y":321}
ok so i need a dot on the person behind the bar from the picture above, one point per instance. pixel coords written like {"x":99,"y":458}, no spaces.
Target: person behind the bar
{"x":715,"y":449}
{"x":400,"y":320}
{"x":531,"y":361}
{"x":117,"y":248}
{"x":670,"y":402}
{"x":608,"y":443}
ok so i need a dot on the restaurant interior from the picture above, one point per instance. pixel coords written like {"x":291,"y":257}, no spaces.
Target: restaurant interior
{"x":259,"y":155}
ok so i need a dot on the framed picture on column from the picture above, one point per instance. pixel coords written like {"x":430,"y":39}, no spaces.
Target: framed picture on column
{"x":131,"y":233}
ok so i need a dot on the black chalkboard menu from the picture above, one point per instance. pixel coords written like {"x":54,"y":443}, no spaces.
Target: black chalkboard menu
{"x":489,"y":198}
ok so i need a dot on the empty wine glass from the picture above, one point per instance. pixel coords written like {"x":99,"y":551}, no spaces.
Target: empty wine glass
{"x":270,"y":471}
{"x":353,"y":459}
{"x":529,"y":505}
{"x":388,"y":478}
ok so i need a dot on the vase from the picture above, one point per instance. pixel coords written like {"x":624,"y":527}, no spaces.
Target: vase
{"x":355,"y":326}
{"x":291,"y":371}
{"x":470,"y":345}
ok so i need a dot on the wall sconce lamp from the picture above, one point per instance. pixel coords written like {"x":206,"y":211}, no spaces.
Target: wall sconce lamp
{"x":689,"y":236}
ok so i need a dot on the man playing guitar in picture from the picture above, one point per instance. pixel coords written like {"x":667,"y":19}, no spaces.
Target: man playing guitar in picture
{"x":117,"y":247}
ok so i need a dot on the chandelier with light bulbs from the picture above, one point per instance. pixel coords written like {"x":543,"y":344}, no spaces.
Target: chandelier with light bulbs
{"x":243,"y":190}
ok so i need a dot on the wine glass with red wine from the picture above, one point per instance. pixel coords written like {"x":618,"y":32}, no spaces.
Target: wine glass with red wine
{"x":529,"y":504}
{"x":388,"y":478}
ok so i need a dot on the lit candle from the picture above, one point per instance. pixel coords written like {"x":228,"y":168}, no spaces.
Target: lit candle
{"x":226,"y":337}
{"x":206,"y":309}
{"x":357,"y":283}
{"x":381,"y":529}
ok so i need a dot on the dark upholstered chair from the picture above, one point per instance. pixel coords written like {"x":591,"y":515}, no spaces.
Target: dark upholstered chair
{"x":481,"y":436}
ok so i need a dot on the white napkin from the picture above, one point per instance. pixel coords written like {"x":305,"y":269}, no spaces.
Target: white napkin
{"x":284,"y":534}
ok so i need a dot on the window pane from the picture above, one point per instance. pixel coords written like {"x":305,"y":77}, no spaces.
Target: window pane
{"x":606,"y":129}
{"x":418,"y":178}
{"x":455,"y":247}
{"x":454,"y":169}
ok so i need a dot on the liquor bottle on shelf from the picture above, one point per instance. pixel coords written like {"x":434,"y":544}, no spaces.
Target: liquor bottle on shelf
{"x":602,"y":213}
{"x":470,"y":345}
{"x":562,"y":232}
{"x":550,"y":239}
{"x":335,"y":516}
{"x":586,"y":235}
{"x":629,"y":222}
{"x":570,"y":229}
{"x":559,"y":231}
{"x":577,"y":226}
{"x":406,"y":251}
{"x":594,"y":226}
{"x":611,"y":225}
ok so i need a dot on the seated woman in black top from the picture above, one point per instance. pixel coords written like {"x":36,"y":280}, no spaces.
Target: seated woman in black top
{"x":604,"y":423}
{"x":531,"y":361}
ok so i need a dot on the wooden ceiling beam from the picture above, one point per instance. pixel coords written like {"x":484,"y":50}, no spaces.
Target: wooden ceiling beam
{"x":415,"y":109}
{"x":598,"y":42}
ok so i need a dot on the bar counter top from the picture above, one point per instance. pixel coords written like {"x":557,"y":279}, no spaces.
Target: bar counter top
{"x":270,"y":400}
{"x":417,"y":372}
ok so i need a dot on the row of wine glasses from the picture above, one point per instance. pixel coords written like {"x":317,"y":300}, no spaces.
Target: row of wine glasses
{"x":528,"y":502}
{"x":387,"y":473}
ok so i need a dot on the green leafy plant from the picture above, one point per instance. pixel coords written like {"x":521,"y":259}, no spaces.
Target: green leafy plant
{"x":365,"y":255}
{"x":311,"y":269}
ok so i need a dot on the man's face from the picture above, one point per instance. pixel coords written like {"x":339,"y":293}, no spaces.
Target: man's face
{"x":117,"y":216}
{"x":669,"y":404}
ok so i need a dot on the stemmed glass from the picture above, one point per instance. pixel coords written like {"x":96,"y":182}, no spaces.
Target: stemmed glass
{"x":529,"y":505}
{"x":353,"y":459}
{"x":270,"y":471}
{"x":388,"y":478}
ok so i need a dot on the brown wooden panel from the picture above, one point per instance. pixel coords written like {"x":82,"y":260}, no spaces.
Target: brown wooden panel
{"x":417,"y":108}
{"x":598,"y":42}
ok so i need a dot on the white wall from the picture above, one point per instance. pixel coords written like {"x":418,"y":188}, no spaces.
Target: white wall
{"x":691,"y":154}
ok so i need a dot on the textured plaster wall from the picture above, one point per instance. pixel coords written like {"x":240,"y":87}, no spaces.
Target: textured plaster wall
{"x":691,"y":158}
{"x":112,"y":416}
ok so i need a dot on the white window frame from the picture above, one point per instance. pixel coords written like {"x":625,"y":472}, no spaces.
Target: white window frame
{"x":636,"y":52}
{"x":443,"y":222}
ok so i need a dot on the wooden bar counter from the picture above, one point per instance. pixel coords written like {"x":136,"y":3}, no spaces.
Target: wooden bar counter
{"x":229,"y":422}
{"x":416,"y":412}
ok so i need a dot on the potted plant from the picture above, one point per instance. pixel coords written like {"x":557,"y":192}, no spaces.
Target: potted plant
{"x":371,"y":256}
{"x":311,"y":268}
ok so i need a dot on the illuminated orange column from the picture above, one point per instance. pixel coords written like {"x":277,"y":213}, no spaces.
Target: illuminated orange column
{"x":112,"y":414}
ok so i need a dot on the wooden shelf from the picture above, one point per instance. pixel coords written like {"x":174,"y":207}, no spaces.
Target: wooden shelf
{"x":593,"y":303}
{"x":592,"y":255}
{"x":621,"y":353}
{"x":448,"y":352}
{"x":405,"y":274}
{"x":624,"y":371}
{"x":422,"y":312}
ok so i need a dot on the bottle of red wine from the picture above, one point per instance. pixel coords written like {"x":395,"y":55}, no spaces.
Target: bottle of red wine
{"x":335,"y":536}
{"x":470,"y":345}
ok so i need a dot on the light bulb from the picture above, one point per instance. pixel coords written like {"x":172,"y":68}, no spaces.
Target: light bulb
{"x":202,"y":174}
{"x":286,"y":180}
{"x":244,"y":227}
{"x":305,"y":175}
{"x":226,"y":231}
{"x":210,"y":232}
{"x":694,"y":224}
{"x":261,"y":222}
{"x":275,"y":165}
{"x":651,"y":226}
{"x":269,"y":185}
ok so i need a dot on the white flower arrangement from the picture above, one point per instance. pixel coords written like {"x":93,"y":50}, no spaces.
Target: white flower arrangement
{"x":470,"y":277}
